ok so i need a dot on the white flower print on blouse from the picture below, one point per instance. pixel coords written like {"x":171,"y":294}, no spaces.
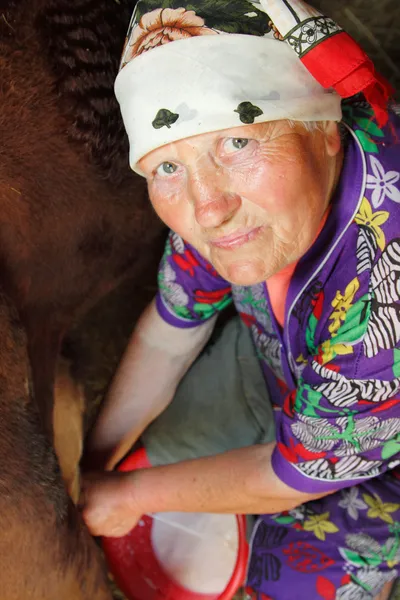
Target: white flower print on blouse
{"x":174,"y":293}
{"x":382,"y":184}
{"x":352,"y":503}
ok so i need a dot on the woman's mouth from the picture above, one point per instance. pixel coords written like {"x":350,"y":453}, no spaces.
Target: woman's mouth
{"x":236,"y":239}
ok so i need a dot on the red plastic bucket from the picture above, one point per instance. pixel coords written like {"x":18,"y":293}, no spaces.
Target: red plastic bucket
{"x":137,"y":570}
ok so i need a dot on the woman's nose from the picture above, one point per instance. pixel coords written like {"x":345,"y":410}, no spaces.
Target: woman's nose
{"x":212,"y":205}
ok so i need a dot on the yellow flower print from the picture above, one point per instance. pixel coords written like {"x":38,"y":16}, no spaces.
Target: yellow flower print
{"x":341,"y":304}
{"x":329,"y":351}
{"x":379,"y":509}
{"x":320,"y":525}
{"x":366,"y":217}
{"x":392,"y":562}
{"x":301,"y":360}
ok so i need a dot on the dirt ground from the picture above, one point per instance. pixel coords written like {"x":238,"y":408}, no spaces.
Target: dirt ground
{"x":97,"y":342}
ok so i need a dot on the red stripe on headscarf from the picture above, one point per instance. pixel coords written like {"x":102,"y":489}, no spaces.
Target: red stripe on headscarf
{"x":338,"y":62}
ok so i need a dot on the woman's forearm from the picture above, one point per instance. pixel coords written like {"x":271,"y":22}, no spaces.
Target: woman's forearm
{"x":238,"y":481}
{"x":157,"y":357}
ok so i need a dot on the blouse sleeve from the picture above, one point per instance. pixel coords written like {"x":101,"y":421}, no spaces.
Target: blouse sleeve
{"x":190,"y":291}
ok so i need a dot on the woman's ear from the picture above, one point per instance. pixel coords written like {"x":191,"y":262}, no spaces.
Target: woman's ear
{"x":332,"y":138}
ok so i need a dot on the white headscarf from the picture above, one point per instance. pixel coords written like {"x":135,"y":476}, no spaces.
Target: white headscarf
{"x":227,"y":66}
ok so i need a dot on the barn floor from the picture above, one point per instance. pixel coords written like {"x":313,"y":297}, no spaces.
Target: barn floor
{"x":96,"y":344}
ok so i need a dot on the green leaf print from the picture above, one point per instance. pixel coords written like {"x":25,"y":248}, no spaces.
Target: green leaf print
{"x":366,"y":143}
{"x":358,"y":560}
{"x":205,"y":311}
{"x":310,"y":334}
{"x":248,"y":112}
{"x":284,"y":520}
{"x":391,"y":447}
{"x":300,"y":402}
{"x":307,"y":400}
{"x":352,"y":113}
{"x":396,"y":362}
{"x":362,"y":117}
{"x":226,"y":300}
{"x":183,"y":312}
{"x":355,"y":324}
{"x":164,"y":118}
{"x":369,"y":126}
{"x":312,"y":402}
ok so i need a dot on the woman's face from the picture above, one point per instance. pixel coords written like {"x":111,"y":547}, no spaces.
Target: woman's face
{"x":249,"y":199}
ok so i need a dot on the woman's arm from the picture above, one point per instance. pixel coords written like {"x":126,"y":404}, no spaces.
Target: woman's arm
{"x":157,"y":357}
{"x":239,"y":481}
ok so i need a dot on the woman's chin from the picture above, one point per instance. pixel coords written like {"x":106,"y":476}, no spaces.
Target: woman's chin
{"x":243,"y":272}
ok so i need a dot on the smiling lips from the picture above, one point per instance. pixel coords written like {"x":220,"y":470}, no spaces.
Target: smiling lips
{"x":236,"y":239}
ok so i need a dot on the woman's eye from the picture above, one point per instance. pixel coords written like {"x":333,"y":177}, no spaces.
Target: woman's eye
{"x":166,"y":168}
{"x":234,"y":144}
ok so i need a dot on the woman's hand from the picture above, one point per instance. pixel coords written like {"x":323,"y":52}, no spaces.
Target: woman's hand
{"x":108,"y":505}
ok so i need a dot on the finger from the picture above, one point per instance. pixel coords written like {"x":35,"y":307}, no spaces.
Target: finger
{"x":96,"y":526}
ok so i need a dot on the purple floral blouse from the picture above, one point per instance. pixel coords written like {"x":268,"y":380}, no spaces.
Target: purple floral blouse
{"x":333,"y":372}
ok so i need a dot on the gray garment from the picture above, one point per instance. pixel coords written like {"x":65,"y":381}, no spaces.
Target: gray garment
{"x":222,"y":403}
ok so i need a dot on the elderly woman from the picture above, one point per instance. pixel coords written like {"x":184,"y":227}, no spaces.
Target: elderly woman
{"x":290,"y":210}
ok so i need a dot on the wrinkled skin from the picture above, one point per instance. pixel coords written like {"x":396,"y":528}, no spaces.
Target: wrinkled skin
{"x":249,"y":199}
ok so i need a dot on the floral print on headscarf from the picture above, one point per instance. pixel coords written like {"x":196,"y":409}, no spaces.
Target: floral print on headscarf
{"x":165,"y":25}
{"x":155,"y":23}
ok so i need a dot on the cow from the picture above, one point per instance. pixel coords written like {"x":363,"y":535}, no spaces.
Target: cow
{"x":45,"y":551}
{"x":74,"y":222}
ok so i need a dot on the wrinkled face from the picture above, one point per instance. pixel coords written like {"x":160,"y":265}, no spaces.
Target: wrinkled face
{"x":249,"y":199}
